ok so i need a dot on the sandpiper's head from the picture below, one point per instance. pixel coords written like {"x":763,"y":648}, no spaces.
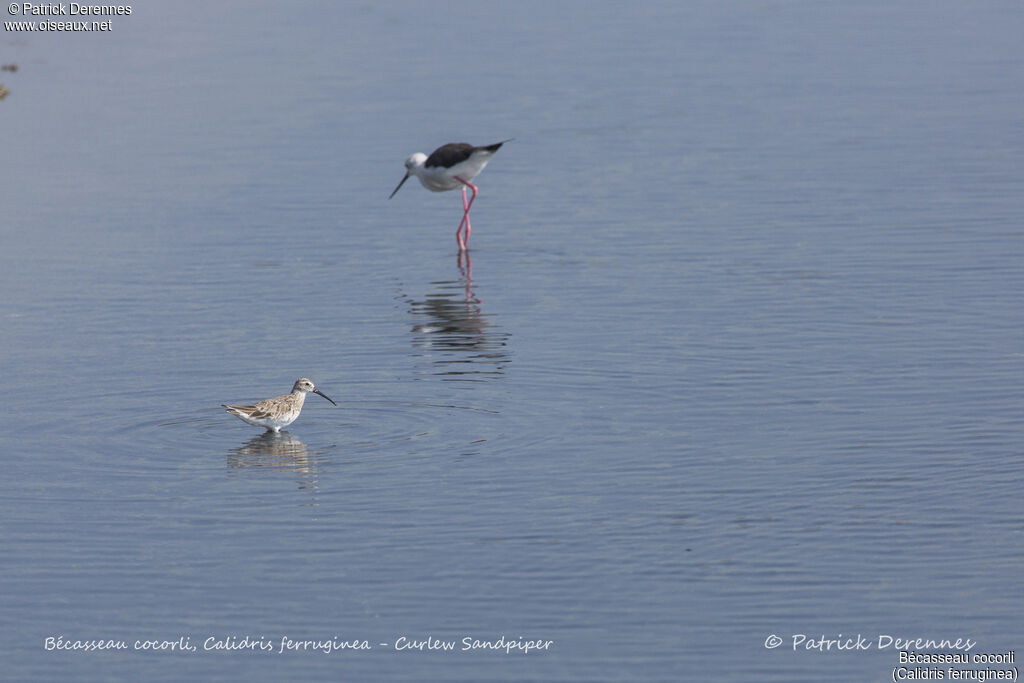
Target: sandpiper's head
{"x":413,"y":162}
{"x":305,"y":385}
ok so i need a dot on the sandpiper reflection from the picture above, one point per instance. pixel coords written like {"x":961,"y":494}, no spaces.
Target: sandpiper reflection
{"x":280,"y":451}
{"x":452,"y":329}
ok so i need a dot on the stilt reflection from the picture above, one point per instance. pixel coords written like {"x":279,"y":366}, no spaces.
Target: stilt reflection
{"x":462,"y":341}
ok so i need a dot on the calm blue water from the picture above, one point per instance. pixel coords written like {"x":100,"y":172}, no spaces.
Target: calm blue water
{"x":739,"y":351}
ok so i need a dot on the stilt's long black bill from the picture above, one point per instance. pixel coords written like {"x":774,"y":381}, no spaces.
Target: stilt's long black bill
{"x":400,"y":185}
{"x":317,"y":391}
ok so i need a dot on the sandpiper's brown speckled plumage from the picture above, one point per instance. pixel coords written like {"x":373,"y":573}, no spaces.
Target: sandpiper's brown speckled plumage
{"x":280,"y":411}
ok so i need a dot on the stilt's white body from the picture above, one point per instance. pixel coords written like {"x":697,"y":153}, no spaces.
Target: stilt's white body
{"x":441,"y":178}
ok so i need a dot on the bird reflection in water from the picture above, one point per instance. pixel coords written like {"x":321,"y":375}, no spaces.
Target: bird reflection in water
{"x":279,"y":451}
{"x":461,"y":340}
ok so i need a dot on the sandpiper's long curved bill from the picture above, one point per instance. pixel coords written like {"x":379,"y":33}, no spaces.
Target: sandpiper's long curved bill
{"x":400,"y":184}
{"x":317,"y":391}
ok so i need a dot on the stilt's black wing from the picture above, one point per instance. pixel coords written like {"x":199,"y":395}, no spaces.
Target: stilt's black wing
{"x":495,"y":147}
{"x":449,"y":155}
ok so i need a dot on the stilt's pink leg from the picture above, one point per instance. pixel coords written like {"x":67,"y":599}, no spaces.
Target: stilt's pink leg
{"x":465,"y":219}
{"x":464,"y":244}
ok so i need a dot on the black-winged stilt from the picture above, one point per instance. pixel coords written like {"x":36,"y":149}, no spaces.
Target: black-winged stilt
{"x":450,"y":167}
